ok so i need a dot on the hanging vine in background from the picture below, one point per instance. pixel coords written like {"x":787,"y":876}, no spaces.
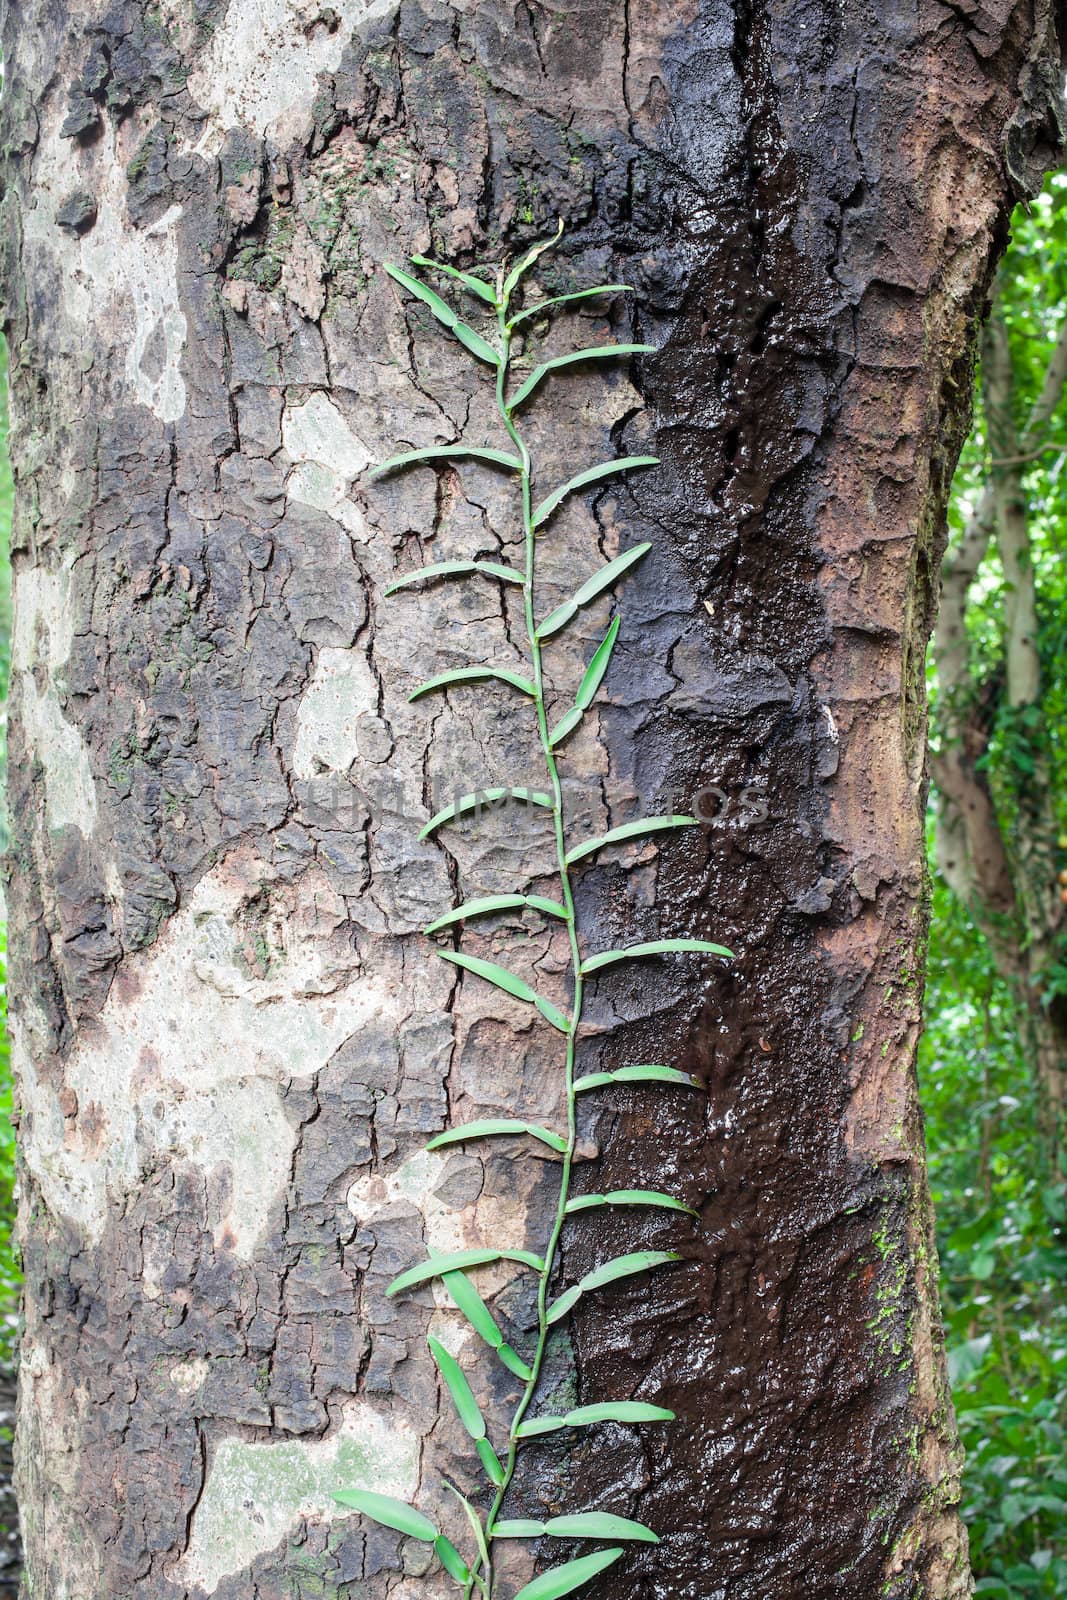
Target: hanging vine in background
{"x":474,"y":1575}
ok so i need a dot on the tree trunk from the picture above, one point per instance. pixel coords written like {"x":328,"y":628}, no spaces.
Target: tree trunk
{"x":232,"y":1039}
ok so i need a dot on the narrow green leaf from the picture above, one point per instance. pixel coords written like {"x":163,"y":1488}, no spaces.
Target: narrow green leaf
{"x":591,"y":475}
{"x":476,"y":285}
{"x":510,"y":983}
{"x":390,"y":1512}
{"x":446,"y":316}
{"x":551,"y":908}
{"x":617,"y":1411}
{"x":538,"y":1425}
{"x":626,"y":1266}
{"x":570,"y":1576}
{"x":496,"y":902}
{"x":467,"y":1299}
{"x":459,"y":1261}
{"x":654,"y":947}
{"x":493,"y":1126}
{"x":485,"y":797}
{"x":475,"y":1521}
{"x":460,"y":1390}
{"x":594,"y":672}
{"x":476,"y":908}
{"x":525,"y":262}
{"x":633,"y":1411}
{"x":446,"y":452}
{"x":627,"y":1197}
{"x":599,"y":1525}
{"x":589,"y":590}
{"x":564,"y":299}
{"x":445,"y":680}
{"x":566,"y":725}
{"x":491,"y":1462}
{"x":598,"y":352}
{"x":451,"y":1559}
{"x":597,"y":1080}
{"x":517,"y":1528}
{"x":514,"y":1363}
{"x":450,"y":569}
{"x":628,"y":830}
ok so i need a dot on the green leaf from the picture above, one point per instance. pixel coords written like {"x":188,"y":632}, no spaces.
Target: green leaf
{"x":566,"y":725}
{"x":565,"y":299}
{"x":628,"y":1197}
{"x":445,"y":680}
{"x":496,"y":902}
{"x":445,"y":452}
{"x":474,"y":1520}
{"x":626,"y":1266}
{"x":590,"y":475}
{"x":599,"y":1525}
{"x":451,"y":1559}
{"x":459,"y":1261}
{"x":593,"y":587}
{"x":598,"y":352}
{"x":618,"y":1411}
{"x":460,"y":1390}
{"x":491,"y":1462}
{"x":496,"y":1125}
{"x":510,"y":983}
{"x":485,"y":797}
{"x":478,"y":286}
{"x":476,"y":908}
{"x":450,"y":569}
{"x":469,"y":1301}
{"x":586,"y":1416}
{"x":654,"y":947}
{"x":390,"y":1512}
{"x":525,"y":262}
{"x":446,"y":316}
{"x":570,"y":1576}
{"x":597,"y":1080}
{"x":514,"y":1363}
{"x":518,"y":1528}
{"x":628,"y":830}
{"x":594,"y":672}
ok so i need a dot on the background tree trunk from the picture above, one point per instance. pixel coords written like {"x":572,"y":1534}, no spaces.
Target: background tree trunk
{"x":232,"y":1040}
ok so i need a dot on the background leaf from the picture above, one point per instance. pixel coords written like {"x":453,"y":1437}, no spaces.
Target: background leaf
{"x":446,"y":316}
{"x":594,"y":353}
{"x":459,"y":1260}
{"x":469,"y":280}
{"x":476,"y":908}
{"x":564,"y":299}
{"x":451,"y":1559}
{"x":628,"y":1197}
{"x":490,"y":1127}
{"x":599,"y":1525}
{"x":625,"y":1266}
{"x":598,"y":666}
{"x":445,"y":680}
{"x":503,"y":979}
{"x":485,"y":797}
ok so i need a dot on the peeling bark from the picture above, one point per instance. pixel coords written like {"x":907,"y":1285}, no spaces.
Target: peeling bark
{"x":232,"y":1041}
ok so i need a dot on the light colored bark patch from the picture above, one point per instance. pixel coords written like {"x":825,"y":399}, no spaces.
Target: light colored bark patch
{"x":327,"y":455}
{"x":118,"y":281}
{"x":252,"y":983}
{"x":261,"y":69}
{"x":256,"y":1493}
{"x":339,"y":703}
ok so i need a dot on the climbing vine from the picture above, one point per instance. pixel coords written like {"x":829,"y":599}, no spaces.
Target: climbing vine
{"x":474,"y":1573}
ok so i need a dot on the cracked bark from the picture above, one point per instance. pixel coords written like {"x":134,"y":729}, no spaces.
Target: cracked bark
{"x":232,"y":1041}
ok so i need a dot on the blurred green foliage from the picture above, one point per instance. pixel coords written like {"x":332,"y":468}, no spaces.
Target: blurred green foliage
{"x":1001,"y":1211}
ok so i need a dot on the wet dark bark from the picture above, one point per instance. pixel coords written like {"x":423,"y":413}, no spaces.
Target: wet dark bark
{"x":215,"y":886}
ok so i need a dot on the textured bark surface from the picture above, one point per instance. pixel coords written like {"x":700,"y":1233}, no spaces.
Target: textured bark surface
{"x":232,"y":1041}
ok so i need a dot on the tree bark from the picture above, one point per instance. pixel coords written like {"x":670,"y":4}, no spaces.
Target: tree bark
{"x":232,"y":1040}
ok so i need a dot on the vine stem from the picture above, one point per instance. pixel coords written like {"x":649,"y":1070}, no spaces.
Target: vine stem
{"x":567,"y":898}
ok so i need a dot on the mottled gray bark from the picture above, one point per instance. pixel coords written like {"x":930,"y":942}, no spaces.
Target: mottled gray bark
{"x":232,"y":1040}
